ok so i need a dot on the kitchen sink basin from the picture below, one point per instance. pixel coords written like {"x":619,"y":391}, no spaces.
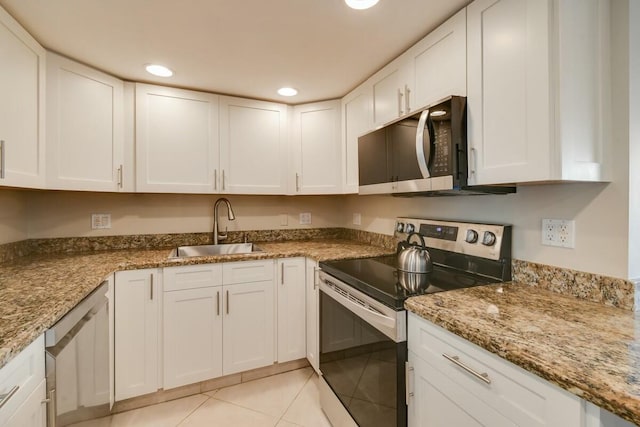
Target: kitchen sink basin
{"x":208,"y":250}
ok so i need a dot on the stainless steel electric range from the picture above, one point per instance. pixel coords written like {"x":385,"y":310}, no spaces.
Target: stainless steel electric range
{"x":363,"y":339}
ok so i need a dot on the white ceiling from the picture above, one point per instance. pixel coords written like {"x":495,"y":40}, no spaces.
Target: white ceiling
{"x":239,"y":47}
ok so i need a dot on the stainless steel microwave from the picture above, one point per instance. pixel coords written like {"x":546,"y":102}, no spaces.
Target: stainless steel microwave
{"x":422,"y":154}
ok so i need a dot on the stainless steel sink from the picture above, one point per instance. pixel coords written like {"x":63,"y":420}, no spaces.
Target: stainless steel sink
{"x":208,"y":250}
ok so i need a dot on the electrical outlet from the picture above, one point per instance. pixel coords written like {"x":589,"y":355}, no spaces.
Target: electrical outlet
{"x":558,"y":232}
{"x":305,"y":218}
{"x":357,"y":219}
{"x":284,"y":219}
{"x":100,"y":221}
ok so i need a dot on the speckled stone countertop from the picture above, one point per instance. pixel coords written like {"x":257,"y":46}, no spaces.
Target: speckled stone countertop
{"x":586,"y":348}
{"x":37,"y":290}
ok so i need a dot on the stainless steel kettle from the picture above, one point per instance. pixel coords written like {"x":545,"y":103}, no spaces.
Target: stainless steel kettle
{"x":413,"y":257}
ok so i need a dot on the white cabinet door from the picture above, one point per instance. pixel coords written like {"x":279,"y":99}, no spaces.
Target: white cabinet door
{"x":137,"y":303}
{"x":176,"y":140}
{"x":439,"y":63}
{"x":390,"y":88}
{"x":317,"y":167}
{"x":248,"y":328}
{"x":32,"y":413}
{"x":22,"y":83}
{"x":192,"y":336}
{"x":508,"y":77}
{"x":85,"y":136}
{"x":290,"y":286}
{"x":312,"y":314}
{"x":357,"y":119}
{"x":253,"y":146}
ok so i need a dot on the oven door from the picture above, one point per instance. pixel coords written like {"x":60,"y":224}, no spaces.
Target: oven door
{"x":363,"y":351}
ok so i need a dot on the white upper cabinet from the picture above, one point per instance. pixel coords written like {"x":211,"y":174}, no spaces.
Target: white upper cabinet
{"x":316,"y":161}
{"x":438,"y":64}
{"x":22,"y":83}
{"x":176,"y":140}
{"x":85,"y":138}
{"x":357,"y":119}
{"x":389,"y":88}
{"x":253,"y":146}
{"x":538,"y":85}
{"x":431,"y":70}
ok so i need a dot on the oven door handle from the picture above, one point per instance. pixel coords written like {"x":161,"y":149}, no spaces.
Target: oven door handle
{"x":384,"y":324}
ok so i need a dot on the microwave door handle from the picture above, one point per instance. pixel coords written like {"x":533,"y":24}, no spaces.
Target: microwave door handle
{"x":423,"y":158}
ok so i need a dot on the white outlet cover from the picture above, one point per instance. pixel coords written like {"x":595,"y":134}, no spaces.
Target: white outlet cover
{"x":558,"y":232}
{"x":305,"y":218}
{"x":284,"y":219}
{"x":100,"y":221}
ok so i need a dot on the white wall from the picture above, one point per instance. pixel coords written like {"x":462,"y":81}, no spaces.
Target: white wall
{"x":634,"y":139}
{"x":13,"y":215}
{"x":67,"y":214}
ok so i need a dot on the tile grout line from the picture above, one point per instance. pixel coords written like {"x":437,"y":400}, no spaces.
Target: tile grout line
{"x":195,"y":409}
{"x":313,"y":372}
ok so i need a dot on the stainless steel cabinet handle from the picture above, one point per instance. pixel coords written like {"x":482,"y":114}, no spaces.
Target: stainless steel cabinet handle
{"x":297,"y":182}
{"x":473,"y":161}
{"x":408,"y":375}
{"x":215,"y":179}
{"x":224,"y":176}
{"x":218,"y":303}
{"x":282,"y":273}
{"x":456,"y":360}
{"x":407,"y":98}
{"x":2,"y":154}
{"x":4,"y":398}
{"x":120,"y":177}
{"x":227,"y":302}
{"x":151,"y":287}
{"x":400,"y":112}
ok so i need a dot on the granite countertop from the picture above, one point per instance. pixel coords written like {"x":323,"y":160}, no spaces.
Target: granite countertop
{"x":589,"y":349}
{"x":37,"y":290}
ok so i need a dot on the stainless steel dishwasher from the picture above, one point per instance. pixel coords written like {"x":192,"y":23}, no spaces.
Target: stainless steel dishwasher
{"x":77,"y":362}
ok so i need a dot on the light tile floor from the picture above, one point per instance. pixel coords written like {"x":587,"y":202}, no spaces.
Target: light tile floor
{"x":285,"y":400}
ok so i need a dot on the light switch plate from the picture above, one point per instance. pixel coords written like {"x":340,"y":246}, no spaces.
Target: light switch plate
{"x":305,"y":218}
{"x":100,"y":221}
{"x":357,"y":219}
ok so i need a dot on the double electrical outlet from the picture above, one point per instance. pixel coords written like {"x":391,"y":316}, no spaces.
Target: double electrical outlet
{"x":559,"y":232}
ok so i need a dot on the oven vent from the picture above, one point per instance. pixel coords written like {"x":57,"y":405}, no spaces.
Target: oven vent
{"x":348,"y":295}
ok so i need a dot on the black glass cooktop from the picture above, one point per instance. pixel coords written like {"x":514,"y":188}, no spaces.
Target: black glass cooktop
{"x":378,"y":278}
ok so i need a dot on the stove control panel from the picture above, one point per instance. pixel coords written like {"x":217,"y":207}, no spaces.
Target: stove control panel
{"x":492,"y":241}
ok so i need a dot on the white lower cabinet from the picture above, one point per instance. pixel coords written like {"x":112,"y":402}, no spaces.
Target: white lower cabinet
{"x":449,"y":393}
{"x":312,"y":314}
{"x":248,"y":328}
{"x":290,"y":288}
{"x":138,"y":296}
{"x":22,"y":386}
{"x":218,"y":319}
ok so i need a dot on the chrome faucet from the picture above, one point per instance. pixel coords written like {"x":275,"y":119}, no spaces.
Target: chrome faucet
{"x":216,"y":232}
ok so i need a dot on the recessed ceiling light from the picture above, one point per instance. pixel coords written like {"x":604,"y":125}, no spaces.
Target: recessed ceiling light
{"x":287,"y":91}
{"x":159,"y":70}
{"x":361,"y":4}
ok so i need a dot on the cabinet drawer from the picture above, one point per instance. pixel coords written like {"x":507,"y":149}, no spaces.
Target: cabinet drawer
{"x":515,"y":393}
{"x":192,"y":277}
{"x":247,"y":271}
{"x":25,"y":371}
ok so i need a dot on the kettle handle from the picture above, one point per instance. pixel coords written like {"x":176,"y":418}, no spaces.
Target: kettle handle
{"x":423,"y":245}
